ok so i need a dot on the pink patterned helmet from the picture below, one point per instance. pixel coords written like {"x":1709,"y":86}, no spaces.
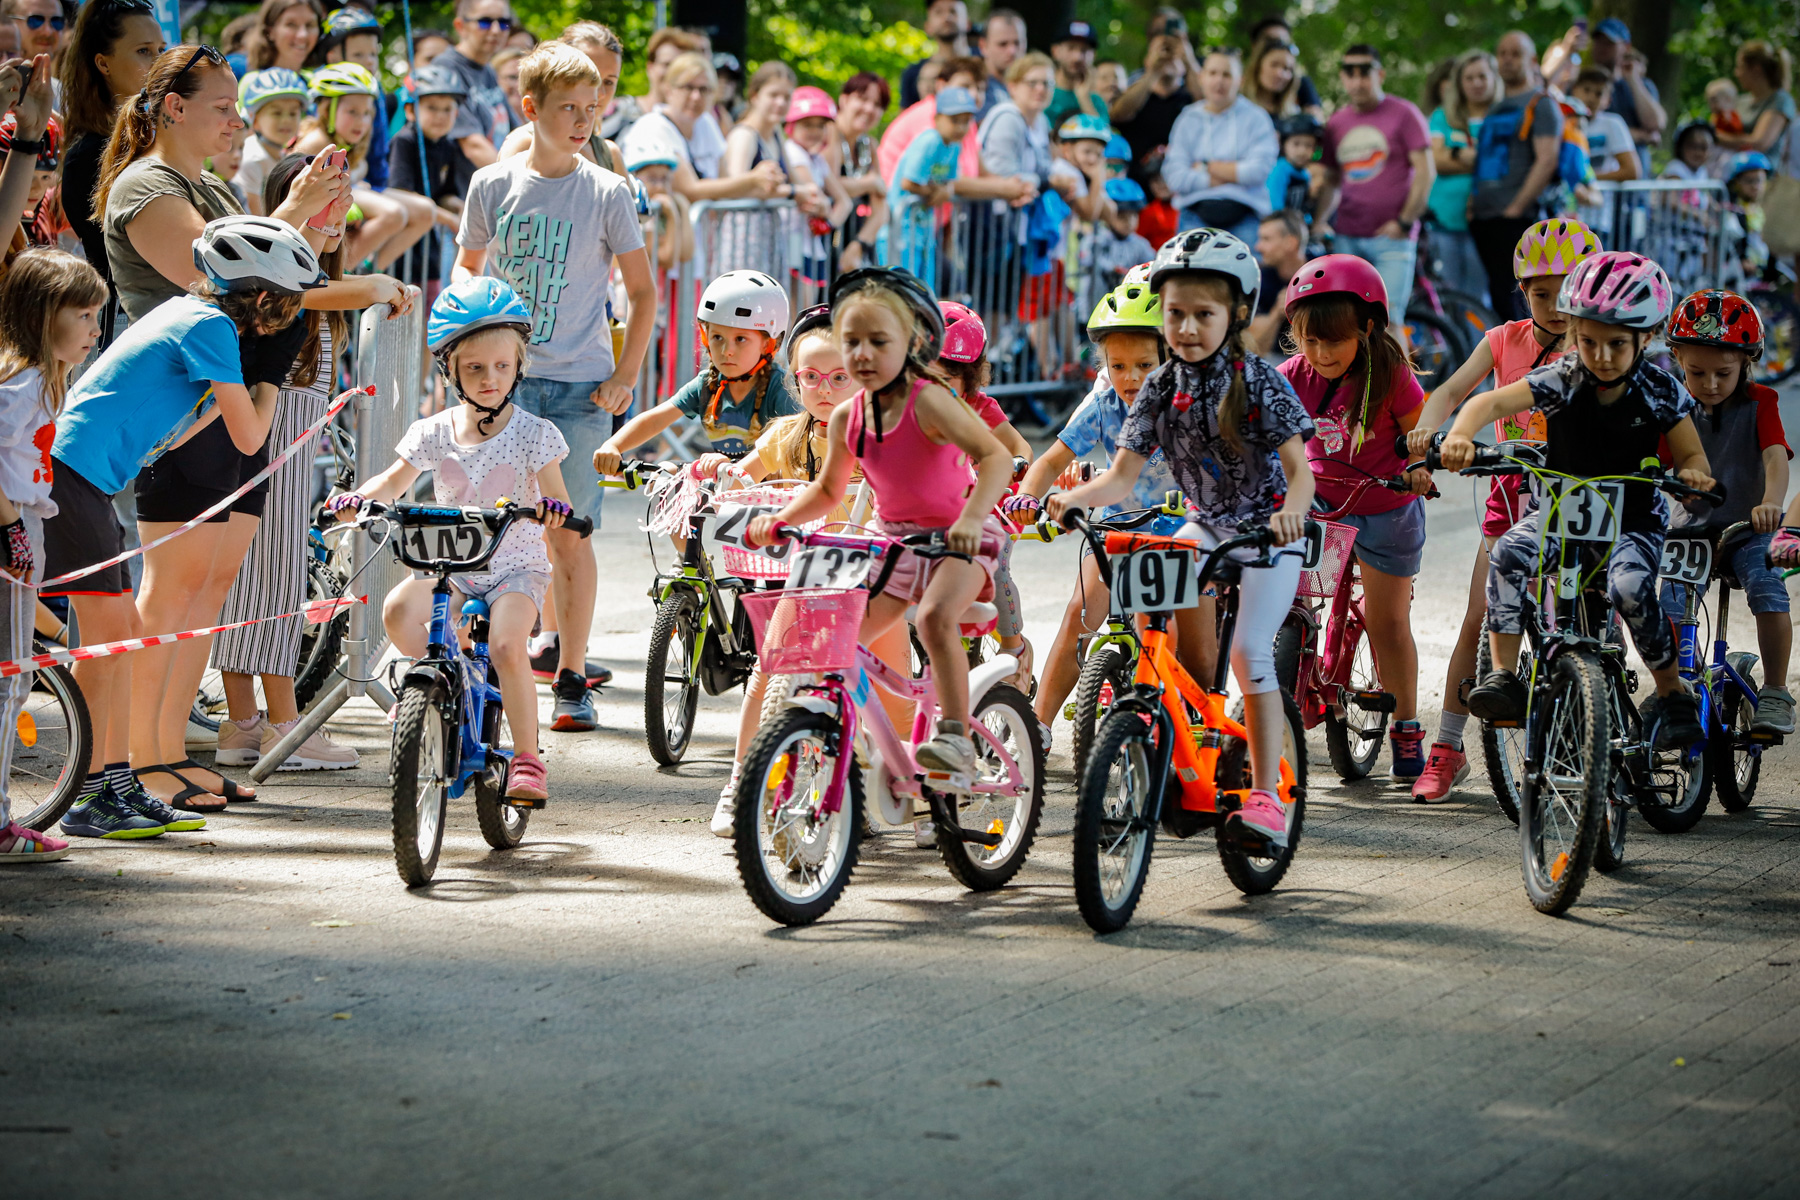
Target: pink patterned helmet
{"x":1337,"y":273}
{"x":1617,"y":287}
{"x":965,"y":337}
{"x":810,"y":102}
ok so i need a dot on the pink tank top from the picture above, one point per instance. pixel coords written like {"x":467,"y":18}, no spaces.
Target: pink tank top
{"x":916,"y":481}
{"x":1516,"y":352}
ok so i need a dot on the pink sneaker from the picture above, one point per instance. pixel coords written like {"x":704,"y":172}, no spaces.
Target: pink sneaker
{"x":528,"y":784}
{"x":1266,"y":814}
{"x":21,"y":845}
{"x":1446,"y":768}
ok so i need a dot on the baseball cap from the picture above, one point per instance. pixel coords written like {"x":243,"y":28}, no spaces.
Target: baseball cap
{"x":1076,"y":31}
{"x":956,"y":102}
{"x":1614,"y":30}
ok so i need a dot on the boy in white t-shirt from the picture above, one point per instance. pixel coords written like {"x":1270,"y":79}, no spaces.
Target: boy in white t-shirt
{"x":552,"y":224}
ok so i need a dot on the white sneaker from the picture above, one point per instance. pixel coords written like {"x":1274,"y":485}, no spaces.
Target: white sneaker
{"x":240,"y":745}
{"x":199,"y":737}
{"x":951,"y":750}
{"x":316,"y":753}
{"x":925,"y":834}
{"x":726,"y":810}
{"x":1045,"y":735}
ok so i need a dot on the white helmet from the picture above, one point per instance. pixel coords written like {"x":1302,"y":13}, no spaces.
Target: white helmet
{"x":745,"y":300}
{"x":1208,"y":250}
{"x":257,"y":254}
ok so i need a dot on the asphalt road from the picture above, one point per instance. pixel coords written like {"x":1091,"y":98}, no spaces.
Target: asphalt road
{"x":261,"y":1009}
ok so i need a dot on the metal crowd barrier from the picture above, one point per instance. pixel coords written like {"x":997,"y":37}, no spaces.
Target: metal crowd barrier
{"x":1681,"y":223}
{"x":390,"y":354}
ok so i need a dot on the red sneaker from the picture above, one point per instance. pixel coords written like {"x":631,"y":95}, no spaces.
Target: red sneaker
{"x":1446,"y":768}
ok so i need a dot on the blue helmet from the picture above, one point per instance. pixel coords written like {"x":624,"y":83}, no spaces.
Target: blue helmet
{"x":343,"y":22}
{"x":1747,"y":160}
{"x":1118,"y":148}
{"x":1126,"y":193}
{"x":471,"y":306}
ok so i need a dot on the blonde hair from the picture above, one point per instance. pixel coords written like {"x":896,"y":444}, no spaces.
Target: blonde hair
{"x":790,"y":437}
{"x":38,"y":286}
{"x":1456,"y":105}
{"x":453,"y":358}
{"x":686,"y":66}
{"x":1027,"y":62}
{"x":583,"y":34}
{"x":315,"y":124}
{"x":555,"y":65}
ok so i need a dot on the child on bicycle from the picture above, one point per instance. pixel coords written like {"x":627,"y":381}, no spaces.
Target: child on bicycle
{"x":49,"y":320}
{"x":484,"y":450}
{"x":1234,"y":434}
{"x":964,"y":363}
{"x":1546,"y":253}
{"x":742,"y":316}
{"x":1352,"y":375}
{"x":914,"y":440}
{"x":1127,"y":327}
{"x":1715,"y":336}
{"x":1605,"y":410}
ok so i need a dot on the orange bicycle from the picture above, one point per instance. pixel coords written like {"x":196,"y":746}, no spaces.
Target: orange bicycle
{"x":1167,"y":736}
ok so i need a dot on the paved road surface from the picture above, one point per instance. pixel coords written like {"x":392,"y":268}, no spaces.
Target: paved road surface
{"x":261,"y":1009}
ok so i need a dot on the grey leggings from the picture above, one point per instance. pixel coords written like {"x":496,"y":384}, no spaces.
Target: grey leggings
{"x":1011,"y":621}
{"x":1630,"y":581}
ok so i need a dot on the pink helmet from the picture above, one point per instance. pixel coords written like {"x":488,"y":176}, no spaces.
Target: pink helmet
{"x":965,"y":337}
{"x":1337,"y":273}
{"x":810,"y":102}
{"x":1617,"y":287}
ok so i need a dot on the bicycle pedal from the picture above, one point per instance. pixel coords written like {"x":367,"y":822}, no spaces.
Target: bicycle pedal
{"x":1506,"y":724}
{"x":1766,"y":737}
{"x":525,"y":802}
{"x":980,"y":839}
{"x":1373,"y":701}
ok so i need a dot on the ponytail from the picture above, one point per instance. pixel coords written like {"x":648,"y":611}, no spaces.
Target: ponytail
{"x":176,"y":72}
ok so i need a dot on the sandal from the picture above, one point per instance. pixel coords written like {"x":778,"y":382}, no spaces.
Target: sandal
{"x":182,"y":799}
{"x":232,"y":791}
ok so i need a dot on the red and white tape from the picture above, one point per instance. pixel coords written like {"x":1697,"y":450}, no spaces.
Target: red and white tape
{"x":312,"y":431}
{"x":316,"y":612}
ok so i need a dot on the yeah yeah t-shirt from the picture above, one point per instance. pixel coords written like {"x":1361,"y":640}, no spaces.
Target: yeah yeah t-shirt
{"x":554,"y":240}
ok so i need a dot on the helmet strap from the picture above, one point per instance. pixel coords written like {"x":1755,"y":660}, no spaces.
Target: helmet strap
{"x":725,"y":381}
{"x":490,"y":414}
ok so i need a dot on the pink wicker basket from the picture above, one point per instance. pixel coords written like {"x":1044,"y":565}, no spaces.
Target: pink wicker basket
{"x":1340,"y":543}
{"x":811,"y":629}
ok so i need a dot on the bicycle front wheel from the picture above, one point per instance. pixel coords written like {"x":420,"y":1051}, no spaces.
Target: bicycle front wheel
{"x":1006,"y":723}
{"x":1560,"y":815}
{"x":52,"y":742}
{"x":794,"y":857}
{"x":1115,"y":832}
{"x":419,"y":780}
{"x":671,"y":690}
{"x":1502,"y":749}
{"x":1105,"y":676}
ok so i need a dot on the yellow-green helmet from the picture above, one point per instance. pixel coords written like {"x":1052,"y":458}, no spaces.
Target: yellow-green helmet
{"x":1131,"y":305}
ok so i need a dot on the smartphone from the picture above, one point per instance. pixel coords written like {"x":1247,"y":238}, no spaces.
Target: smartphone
{"x":340,"y":159}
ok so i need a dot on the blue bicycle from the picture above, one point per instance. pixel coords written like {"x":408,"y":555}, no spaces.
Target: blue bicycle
{"x":447,"y":728}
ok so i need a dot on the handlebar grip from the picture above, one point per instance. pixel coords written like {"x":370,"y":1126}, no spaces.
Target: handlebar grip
{"x":579,"y":526}
{"x":1074,"y":517}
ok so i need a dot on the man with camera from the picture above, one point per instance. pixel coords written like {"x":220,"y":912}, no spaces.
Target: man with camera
{"x":1170,"y":81}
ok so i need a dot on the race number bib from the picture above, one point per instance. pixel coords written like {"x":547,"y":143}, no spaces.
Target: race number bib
{"x":459,"y":543}
{"x":734,"y":523}
{"x":1686,"y":560}
{"x":1154,"y":581}
{"x":1585,"y":510}
{"x":830,"y":567}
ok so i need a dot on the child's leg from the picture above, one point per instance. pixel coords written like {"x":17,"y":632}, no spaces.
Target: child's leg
{"x":510,"y":618}
{"x":18,"y":619}
{"x":1511,"y":562}
{"x":188,"y":666}
{"x":1775,"y":641}
{"x":1462,"y":658}
{"x":1009,"y":626}
{"x":1264,"y":597}
{"x":407,"y":616}
{"x":750,"y":714}
{"x":174,"y":574}
{"x":1086,"y":613}
{"x":1387,"y":616}
{"x":953,"y":587}
{"x":1195,"y":638}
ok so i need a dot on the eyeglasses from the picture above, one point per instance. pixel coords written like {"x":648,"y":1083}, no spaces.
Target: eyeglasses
{"x":1357,"y":68}
{"x":813,"y":380}
{"x":503,"y":24}
{"x":1035,"y":83}
{"x":36,"y":21}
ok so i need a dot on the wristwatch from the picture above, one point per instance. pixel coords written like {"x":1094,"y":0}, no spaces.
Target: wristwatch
{"x":32,"y":147}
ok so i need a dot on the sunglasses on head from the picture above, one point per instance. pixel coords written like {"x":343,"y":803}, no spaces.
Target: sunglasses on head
{"x":503,"y":24}
{"x":207,"y":52}
{"x":1357,"y":68}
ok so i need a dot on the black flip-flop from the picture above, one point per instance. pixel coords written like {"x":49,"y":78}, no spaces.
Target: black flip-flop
{"x":181,"y":800}
{"x":233,"y":793}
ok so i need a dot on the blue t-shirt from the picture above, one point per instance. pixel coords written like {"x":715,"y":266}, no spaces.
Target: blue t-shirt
{"x":927,"y":160}
{"x":146,"y":390}
{"x":1096,"y":422}
{"x":733,"y":430}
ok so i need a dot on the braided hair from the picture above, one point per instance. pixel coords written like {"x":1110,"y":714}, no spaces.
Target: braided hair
{"x":1234,"y":409}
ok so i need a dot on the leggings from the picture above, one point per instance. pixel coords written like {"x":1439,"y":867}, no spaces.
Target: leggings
{"x":1265,"y":594}
{"x":1011,"y":621}
{"x":1630,"y":581}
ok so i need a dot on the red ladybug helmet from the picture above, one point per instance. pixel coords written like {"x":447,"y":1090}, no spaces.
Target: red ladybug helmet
{"x":1718,"y":318}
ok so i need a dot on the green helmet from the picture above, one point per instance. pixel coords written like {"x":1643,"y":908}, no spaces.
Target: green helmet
{"x":1131,"y":306}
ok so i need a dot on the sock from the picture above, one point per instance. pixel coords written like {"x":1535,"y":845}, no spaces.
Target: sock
{"x":91,"y":787}
{"x":122,"y":780}
{"x":547,"y":640}
{"x":1450,"y":729}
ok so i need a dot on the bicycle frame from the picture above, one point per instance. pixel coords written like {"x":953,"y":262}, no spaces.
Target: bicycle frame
{"x":1322,"y":683}
{"x":466,"y":676}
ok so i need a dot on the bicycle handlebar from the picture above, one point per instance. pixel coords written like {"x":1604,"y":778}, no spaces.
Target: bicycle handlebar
{"x":1492,"y":460}
{"x":632,"y":472}
{"x":497,"y":520}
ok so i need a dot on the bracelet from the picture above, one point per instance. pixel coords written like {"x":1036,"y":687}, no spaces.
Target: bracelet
{"x":30,"y":147}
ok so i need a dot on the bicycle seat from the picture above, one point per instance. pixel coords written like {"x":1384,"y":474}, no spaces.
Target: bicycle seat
{"x":1730,"y":542}
{"x":979,"y":618}
{"x":1124,"y":542}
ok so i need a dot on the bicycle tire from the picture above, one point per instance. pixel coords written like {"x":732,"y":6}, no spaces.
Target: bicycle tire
{"x":53,"y":765}
{"x":321,"y":646}
{"x":1251,"y":874}
{"x":1502,"y":750}
{"x":1615,"y":817}
{"x":669,"y":725}
{"x":1781,"y":334}
{"x":420,"y":790}
{"x":1439,"y":351}
{"x":1468,"y":314}
{"x":1354,"y":753}
{"x":1107,"y":673}
{"x":1289,"y":640}
{"x":982,"y":868}
{"x":502,"y":824}
{"x":1125,"y":741}
{"x":1694,"y":776}
{"x":1735,"y":761}
{"x":1558,"y":831}
{"x":758,"y":831}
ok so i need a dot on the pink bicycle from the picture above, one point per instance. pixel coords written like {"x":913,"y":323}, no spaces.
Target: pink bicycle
{"x":802,"y":788}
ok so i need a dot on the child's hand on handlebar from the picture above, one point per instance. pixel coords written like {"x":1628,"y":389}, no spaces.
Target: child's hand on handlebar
{"x":1074,"y":475}
{"x":1418,"y":441}
{"x":1420,"y":479}
{"x":1021,"y":506}
{"x":1700,"y":481}
{"x":345,"y":507}
{"x":1457,"y":452}
{"x":1765,"y":518}
{"x":1784,"y":551}
{"x":762,"y":531}
{"x":707,"y":465}
{"x":1287,"y":527}
{"x":1056,"y":504}
{"x":964,"y":537}
{"x":553,"y":512}
{"x":607,"y":461}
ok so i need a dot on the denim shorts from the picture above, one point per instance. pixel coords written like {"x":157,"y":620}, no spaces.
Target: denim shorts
{"x":1764,"y":589}
{"x":584,"y":425}
{"x":1393,"y":258}
{"x":1392,"y":542}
